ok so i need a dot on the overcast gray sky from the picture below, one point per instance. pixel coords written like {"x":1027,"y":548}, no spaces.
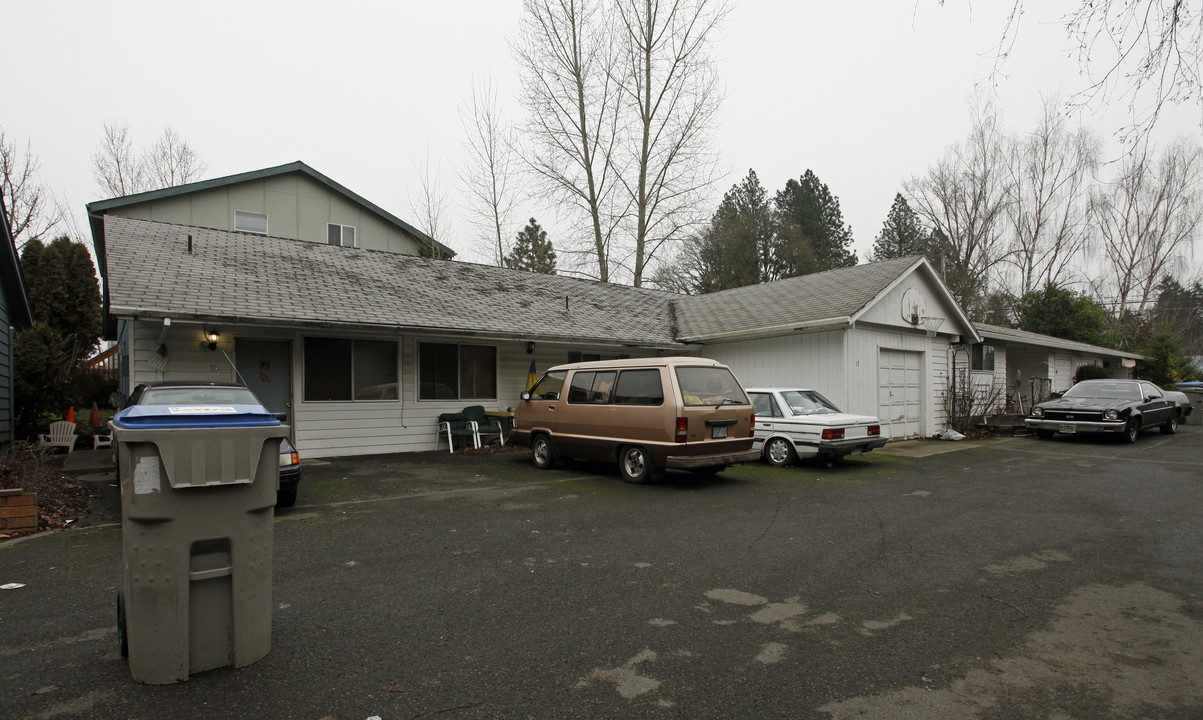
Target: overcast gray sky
{"x":864,"y":93}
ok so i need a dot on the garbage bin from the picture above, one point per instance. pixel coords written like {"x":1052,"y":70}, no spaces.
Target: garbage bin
{"x":1194,"y":391}
{"x":198,"y":493}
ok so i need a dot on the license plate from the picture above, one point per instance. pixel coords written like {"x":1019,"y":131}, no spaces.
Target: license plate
{"x":1069,"y":428}
{"x":718,"y":431}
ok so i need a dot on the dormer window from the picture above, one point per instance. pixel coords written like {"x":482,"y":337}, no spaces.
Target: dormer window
{"x":251,"y":222}
{"x":343,"y":235}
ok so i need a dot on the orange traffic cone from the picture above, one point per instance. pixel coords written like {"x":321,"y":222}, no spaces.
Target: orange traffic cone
{"x":94,"y":418}
{"x":71,"y":414}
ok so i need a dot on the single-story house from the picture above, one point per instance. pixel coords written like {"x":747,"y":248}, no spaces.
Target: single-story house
{"x":365,"y":343}
{"x":1031,"y":366}
{"x":15,"y":314}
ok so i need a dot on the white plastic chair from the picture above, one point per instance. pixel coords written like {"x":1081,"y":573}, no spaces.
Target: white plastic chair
{"x":62,"y":434}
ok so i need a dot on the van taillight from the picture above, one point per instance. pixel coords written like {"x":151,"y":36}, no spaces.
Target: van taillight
{"x":874,"y":429}
{"x":833,"y":434}
{"x":752,"y":425}
{"x":682,"y":429}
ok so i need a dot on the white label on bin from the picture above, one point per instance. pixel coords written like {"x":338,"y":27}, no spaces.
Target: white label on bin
{"x":146,"y":475}
{"x":201,"y":410}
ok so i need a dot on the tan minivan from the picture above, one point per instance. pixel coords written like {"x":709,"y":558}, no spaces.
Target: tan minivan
{"x":646,"y":414}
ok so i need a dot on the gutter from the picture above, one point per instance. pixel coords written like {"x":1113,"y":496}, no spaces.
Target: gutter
{"x":825,"y":324}
{"x":154,"y":314}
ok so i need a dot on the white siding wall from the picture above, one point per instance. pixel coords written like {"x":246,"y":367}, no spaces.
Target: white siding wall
{"x":841,"y":364}
{"x":814,"y":360}
{"x":330,"y":429}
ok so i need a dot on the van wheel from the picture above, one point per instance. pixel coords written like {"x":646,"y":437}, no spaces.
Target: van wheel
{"x":543,"y":453}
{"x":1171,"y":426}
{"x":778,"y":452}
{"x":635,"y":465}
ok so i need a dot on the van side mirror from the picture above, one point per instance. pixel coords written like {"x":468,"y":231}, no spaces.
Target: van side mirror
{"x":525,"y":395}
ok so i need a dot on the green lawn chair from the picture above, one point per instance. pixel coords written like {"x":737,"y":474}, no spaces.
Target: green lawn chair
{"x":454,"y":425}
{"x":485,"y":425}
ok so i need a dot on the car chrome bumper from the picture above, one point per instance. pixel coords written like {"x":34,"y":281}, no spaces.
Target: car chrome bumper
{"x":1079,"y":426}
{"x":694,"y":462}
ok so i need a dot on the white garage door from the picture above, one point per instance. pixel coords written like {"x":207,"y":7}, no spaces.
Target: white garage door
{"x":900,"y":393}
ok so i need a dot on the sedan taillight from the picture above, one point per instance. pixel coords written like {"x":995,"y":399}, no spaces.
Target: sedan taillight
{"x":874,"y":429}
{"x":833,"y":434}
{"x":752,"y":425}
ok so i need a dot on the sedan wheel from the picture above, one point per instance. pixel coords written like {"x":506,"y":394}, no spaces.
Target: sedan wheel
{"x":1171,"y":426}
{"x":1131,"y":431}
{"x":778,"y":452}
{"x":635,"y":465}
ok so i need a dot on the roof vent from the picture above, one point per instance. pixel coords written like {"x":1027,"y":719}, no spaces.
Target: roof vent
{"x":189,"y":250}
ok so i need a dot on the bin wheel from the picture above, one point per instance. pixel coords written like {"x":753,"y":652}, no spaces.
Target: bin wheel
{"x":122,"y":637}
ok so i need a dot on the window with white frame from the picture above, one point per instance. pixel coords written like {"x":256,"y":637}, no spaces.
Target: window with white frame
{"x":447,"y":371}
{"x":343,"y":235}
{"x":981,"y":357}
{"x":252,"y":222}
{"x":341,"y":369}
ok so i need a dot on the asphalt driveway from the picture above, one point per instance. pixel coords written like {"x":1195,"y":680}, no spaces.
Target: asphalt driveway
{"x":1017,"y":579}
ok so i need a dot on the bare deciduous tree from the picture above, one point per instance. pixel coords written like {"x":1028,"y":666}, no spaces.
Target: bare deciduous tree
{"x":429,"y":205}
{"x":172,"y":161}
{"x":1149,"y":52}
{"x":29,"y":204}
{"x":670,"y":86}
{"x":963,"y":197}
{"x":119,"y":169}
{"x":565,"y":52}
{"x":1148,"y":219}
{"x":488,"y":175}
{"x":1049,"y":176}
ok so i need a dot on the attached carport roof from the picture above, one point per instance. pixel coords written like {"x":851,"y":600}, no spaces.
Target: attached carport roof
{"x":234,"y":277}
{"x":995,"y":332}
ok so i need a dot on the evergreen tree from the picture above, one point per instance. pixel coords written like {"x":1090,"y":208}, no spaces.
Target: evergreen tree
{"x":737,"y":249}
{"x":1164,"y":363}
{"x":65,"y":298}
{"x":812,"y":234}
{"x":532,"y":251}
{"x":1058,"y":312}
{"x":902,"y":234}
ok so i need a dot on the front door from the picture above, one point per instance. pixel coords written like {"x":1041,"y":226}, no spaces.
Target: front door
{"x":266,"y":368}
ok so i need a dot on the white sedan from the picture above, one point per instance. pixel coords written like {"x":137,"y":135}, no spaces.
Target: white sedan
{"x":793,"y":423}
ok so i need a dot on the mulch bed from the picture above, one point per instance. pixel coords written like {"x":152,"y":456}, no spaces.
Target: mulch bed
{"x":62,"y":499}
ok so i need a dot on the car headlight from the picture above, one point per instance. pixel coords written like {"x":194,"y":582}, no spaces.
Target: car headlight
{"x":1037,"y":411}
{"x":1111,"y":415}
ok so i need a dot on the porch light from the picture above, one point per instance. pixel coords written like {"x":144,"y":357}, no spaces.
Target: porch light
{"x":212,"y":336}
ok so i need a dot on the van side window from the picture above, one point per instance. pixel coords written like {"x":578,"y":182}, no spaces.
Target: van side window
{"x":639,"y":387}
{"x":549,"y":386}
{"x":591,"y":388}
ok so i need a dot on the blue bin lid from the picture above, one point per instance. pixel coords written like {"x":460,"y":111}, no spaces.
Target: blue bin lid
{"x":148,"y":417}
{"x":1190,"y":385}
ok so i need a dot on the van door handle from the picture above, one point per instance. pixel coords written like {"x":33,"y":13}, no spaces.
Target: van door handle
{"x":551,"y":407}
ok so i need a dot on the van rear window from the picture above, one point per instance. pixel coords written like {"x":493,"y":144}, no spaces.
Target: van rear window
{"x":709,"y":386}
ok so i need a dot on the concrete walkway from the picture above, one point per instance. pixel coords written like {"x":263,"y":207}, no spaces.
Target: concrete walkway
{"x":927,"y":448}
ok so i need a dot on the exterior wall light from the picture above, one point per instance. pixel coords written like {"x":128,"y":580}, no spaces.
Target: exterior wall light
{"x":212,"y":336}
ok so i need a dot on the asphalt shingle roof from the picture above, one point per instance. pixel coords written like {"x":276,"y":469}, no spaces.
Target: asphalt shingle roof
{"x":998,"y":332}
{"x":799,"y":300}
{"x":242,"y":277}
